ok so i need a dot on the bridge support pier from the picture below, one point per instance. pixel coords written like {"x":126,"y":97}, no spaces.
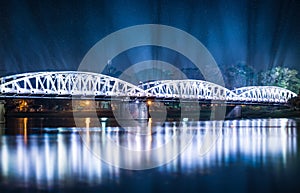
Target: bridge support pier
{"x":139,"y":111}
{"x":218,"y":112}
{"x":142,"y":111}
{"x":2,"y":112}
{"x":133,"y":110}
{"x":236,"y":112}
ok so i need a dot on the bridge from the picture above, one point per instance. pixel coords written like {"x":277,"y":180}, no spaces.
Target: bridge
{"x":89,"y":85}
{"x":84,"y":85}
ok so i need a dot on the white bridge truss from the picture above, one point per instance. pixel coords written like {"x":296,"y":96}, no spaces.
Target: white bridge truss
{"x":188,"y":89}
{"x":264,"y":94}
{"x":68,"y":84}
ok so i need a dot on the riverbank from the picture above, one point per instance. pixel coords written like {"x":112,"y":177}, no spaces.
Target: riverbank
{"x":269,"y":112}
{"x":66,"y":114}
{"x":248,"y":112}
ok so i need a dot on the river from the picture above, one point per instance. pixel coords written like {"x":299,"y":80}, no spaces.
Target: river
{"x":53,"y":155}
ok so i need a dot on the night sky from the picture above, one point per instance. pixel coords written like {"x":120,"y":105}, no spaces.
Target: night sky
{"x":56,"y":35}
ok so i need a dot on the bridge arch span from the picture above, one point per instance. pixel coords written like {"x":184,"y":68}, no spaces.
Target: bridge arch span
{"x":268,"y":94}
{"x":67,"y":83}
{"x":188,"y":89}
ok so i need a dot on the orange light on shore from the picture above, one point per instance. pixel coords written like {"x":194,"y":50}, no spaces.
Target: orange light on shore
{"x":149,"y":102}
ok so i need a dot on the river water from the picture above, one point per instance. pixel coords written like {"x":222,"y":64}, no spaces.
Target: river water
{"x":52,"y":155}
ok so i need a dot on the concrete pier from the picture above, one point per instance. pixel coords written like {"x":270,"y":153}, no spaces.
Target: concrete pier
{"x":2,"y":112}
{"x":218,"y":112}
{"x":236,"y":112}
{"x":132,"y":111}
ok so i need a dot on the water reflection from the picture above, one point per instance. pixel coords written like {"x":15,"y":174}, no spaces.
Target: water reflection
{"x":2,"y":129}
{"x":60,"y":159}
{"x":255,"y":142}
{"x":139,"y":147}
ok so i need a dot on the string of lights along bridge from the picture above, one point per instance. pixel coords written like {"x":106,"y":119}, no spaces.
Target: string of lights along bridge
{"x":69,"y":84}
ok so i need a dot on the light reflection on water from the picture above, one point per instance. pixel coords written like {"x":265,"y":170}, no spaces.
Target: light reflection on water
{"x":62,"y":159}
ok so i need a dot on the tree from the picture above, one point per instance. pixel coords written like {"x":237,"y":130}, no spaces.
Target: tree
{"x":282,"y":77}
{"x":239,"y":75}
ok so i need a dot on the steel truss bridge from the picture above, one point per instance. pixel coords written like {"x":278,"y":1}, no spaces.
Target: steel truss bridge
{"x":84,"y":85}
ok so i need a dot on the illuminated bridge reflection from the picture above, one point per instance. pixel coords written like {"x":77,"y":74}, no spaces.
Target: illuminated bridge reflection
{"x":63,"y":159}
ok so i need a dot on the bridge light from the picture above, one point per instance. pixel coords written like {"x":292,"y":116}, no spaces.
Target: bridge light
{"x":149,"y":102}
